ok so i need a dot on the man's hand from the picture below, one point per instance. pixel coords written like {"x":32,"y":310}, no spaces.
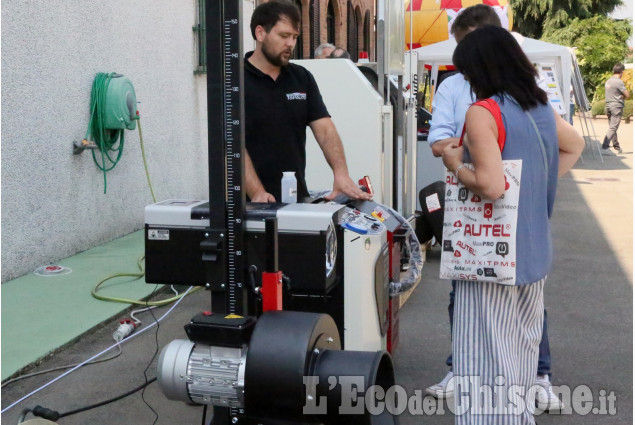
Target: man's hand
{"x":439,"y":146}
{"x":452,"y":156}
{"x":263,"y":196}
{"x":255,"y":190}
{"x":343,"y":184}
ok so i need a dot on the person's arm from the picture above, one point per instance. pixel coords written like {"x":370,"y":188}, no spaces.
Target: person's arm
{"x":442,"y":125}
{"x":255,"y":190}
{"x":326,"y":135}
{"x":487,"y":179}
{"x":621,"y":87}
{"x":439,"y":146}
{"x":570,"y":145}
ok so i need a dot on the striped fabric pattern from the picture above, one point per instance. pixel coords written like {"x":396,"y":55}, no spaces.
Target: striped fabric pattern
{"x":497,"y":331}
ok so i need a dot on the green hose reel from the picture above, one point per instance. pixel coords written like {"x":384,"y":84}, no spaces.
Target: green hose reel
{"x":113,"y":109}
{"x":121,"y":104}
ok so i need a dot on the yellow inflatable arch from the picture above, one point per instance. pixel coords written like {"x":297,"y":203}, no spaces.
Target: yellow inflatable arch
{"x":432,"y":19}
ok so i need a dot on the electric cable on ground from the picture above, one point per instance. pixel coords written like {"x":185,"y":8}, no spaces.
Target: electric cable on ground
{"x":141,"y":310}
{"x":130,"y":301}
{"x":42,"y":372}
{"x":50,"y":414}
{"x":111,"y":400}
{"x":204,"y":414}
{"x":156,"y":351}
{"x":97,"y":355}
{"x":106,"y":141}
{"x":133,"y":313}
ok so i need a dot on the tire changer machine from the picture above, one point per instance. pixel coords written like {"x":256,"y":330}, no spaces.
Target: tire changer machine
{"x":269,"y":348}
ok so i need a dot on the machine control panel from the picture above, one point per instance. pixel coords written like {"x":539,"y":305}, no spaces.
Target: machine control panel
{"x":361,"y":223}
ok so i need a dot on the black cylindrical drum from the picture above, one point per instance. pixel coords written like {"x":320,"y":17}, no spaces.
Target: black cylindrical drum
{"x":281,"y":353}
{"x":345,"y":377}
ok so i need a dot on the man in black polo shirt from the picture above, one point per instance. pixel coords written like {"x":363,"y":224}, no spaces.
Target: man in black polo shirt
{"x":281,"y":99}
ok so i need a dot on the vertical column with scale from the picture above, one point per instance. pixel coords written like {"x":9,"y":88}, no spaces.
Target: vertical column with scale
{"x":235,"y":142}
{"x":226,"y":134}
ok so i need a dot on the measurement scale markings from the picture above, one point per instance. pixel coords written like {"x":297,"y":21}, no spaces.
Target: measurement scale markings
{"x":231,"y":28}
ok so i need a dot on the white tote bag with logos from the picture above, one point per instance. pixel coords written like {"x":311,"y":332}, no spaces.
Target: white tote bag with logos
{"x":479,"y":236}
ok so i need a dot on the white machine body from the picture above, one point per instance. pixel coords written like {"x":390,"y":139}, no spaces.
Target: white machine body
{"x":365,"y":256}
{"x":308,"y":248}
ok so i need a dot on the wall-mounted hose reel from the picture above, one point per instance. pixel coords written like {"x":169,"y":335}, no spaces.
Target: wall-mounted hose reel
{"x":113,"y":109}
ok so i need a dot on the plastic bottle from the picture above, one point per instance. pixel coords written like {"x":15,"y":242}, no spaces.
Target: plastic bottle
{"x":289,"y":187}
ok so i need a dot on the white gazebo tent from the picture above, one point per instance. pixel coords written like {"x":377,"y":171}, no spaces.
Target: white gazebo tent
{"x":440,"y":55}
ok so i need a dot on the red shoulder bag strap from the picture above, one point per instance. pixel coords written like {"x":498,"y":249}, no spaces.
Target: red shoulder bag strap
{"x":495,"y":110}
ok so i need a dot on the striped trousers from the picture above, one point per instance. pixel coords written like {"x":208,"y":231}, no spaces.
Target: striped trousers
{"x":497,"y":331}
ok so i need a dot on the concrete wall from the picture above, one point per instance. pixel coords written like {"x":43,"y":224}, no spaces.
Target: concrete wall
{"x":53,"y":204}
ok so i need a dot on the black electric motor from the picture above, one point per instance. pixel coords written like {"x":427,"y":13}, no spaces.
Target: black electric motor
{"x":286,"y":366}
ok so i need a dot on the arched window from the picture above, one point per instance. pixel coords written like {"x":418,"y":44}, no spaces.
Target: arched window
{"x":351,"y":32}
{"x":298,"y":52}
{"x":314,"y":17}
{"x":367,"y":32}
{"x":330,"y":23}
{"x":359,"y":23}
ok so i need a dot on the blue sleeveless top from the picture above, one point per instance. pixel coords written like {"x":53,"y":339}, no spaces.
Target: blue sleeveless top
{"x":534,"y":248}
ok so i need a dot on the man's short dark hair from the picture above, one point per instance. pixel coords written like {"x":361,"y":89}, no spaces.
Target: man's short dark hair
{"x":473,"y":17}
{"x":268,"y":14}
{"x":618,"y":68}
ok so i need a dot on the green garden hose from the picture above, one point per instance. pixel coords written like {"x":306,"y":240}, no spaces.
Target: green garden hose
{"x":145,"y":162}
{"x":107,"y":140}
{"x":138,"y":275}
{"x":112,"y":110}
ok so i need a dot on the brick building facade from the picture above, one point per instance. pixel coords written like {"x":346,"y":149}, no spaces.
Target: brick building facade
{"x":345,"y":23}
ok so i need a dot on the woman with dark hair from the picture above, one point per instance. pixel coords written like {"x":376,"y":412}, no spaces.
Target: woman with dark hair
{"x":497,"y":328}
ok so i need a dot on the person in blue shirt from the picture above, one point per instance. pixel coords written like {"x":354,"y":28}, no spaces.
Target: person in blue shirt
{"x":449,"y":107}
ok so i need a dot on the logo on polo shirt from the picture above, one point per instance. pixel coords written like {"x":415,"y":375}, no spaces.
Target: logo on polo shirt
{"x":296,"y":96}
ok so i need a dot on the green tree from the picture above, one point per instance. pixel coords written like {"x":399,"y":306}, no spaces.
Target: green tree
{"x":533,"y":17}
{"x":600,"y":43}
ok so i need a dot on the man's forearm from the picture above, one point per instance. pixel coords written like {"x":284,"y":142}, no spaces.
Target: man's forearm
{"x":252,"y":181}
{"x":438,"y":146}
{"x":331,"y":145}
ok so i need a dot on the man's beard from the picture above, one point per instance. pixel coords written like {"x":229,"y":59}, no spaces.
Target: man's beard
{"x":278,"y":60}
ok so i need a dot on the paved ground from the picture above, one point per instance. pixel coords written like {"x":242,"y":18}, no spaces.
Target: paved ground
{"x":589,"y":294}
{"x":589,"y":297}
